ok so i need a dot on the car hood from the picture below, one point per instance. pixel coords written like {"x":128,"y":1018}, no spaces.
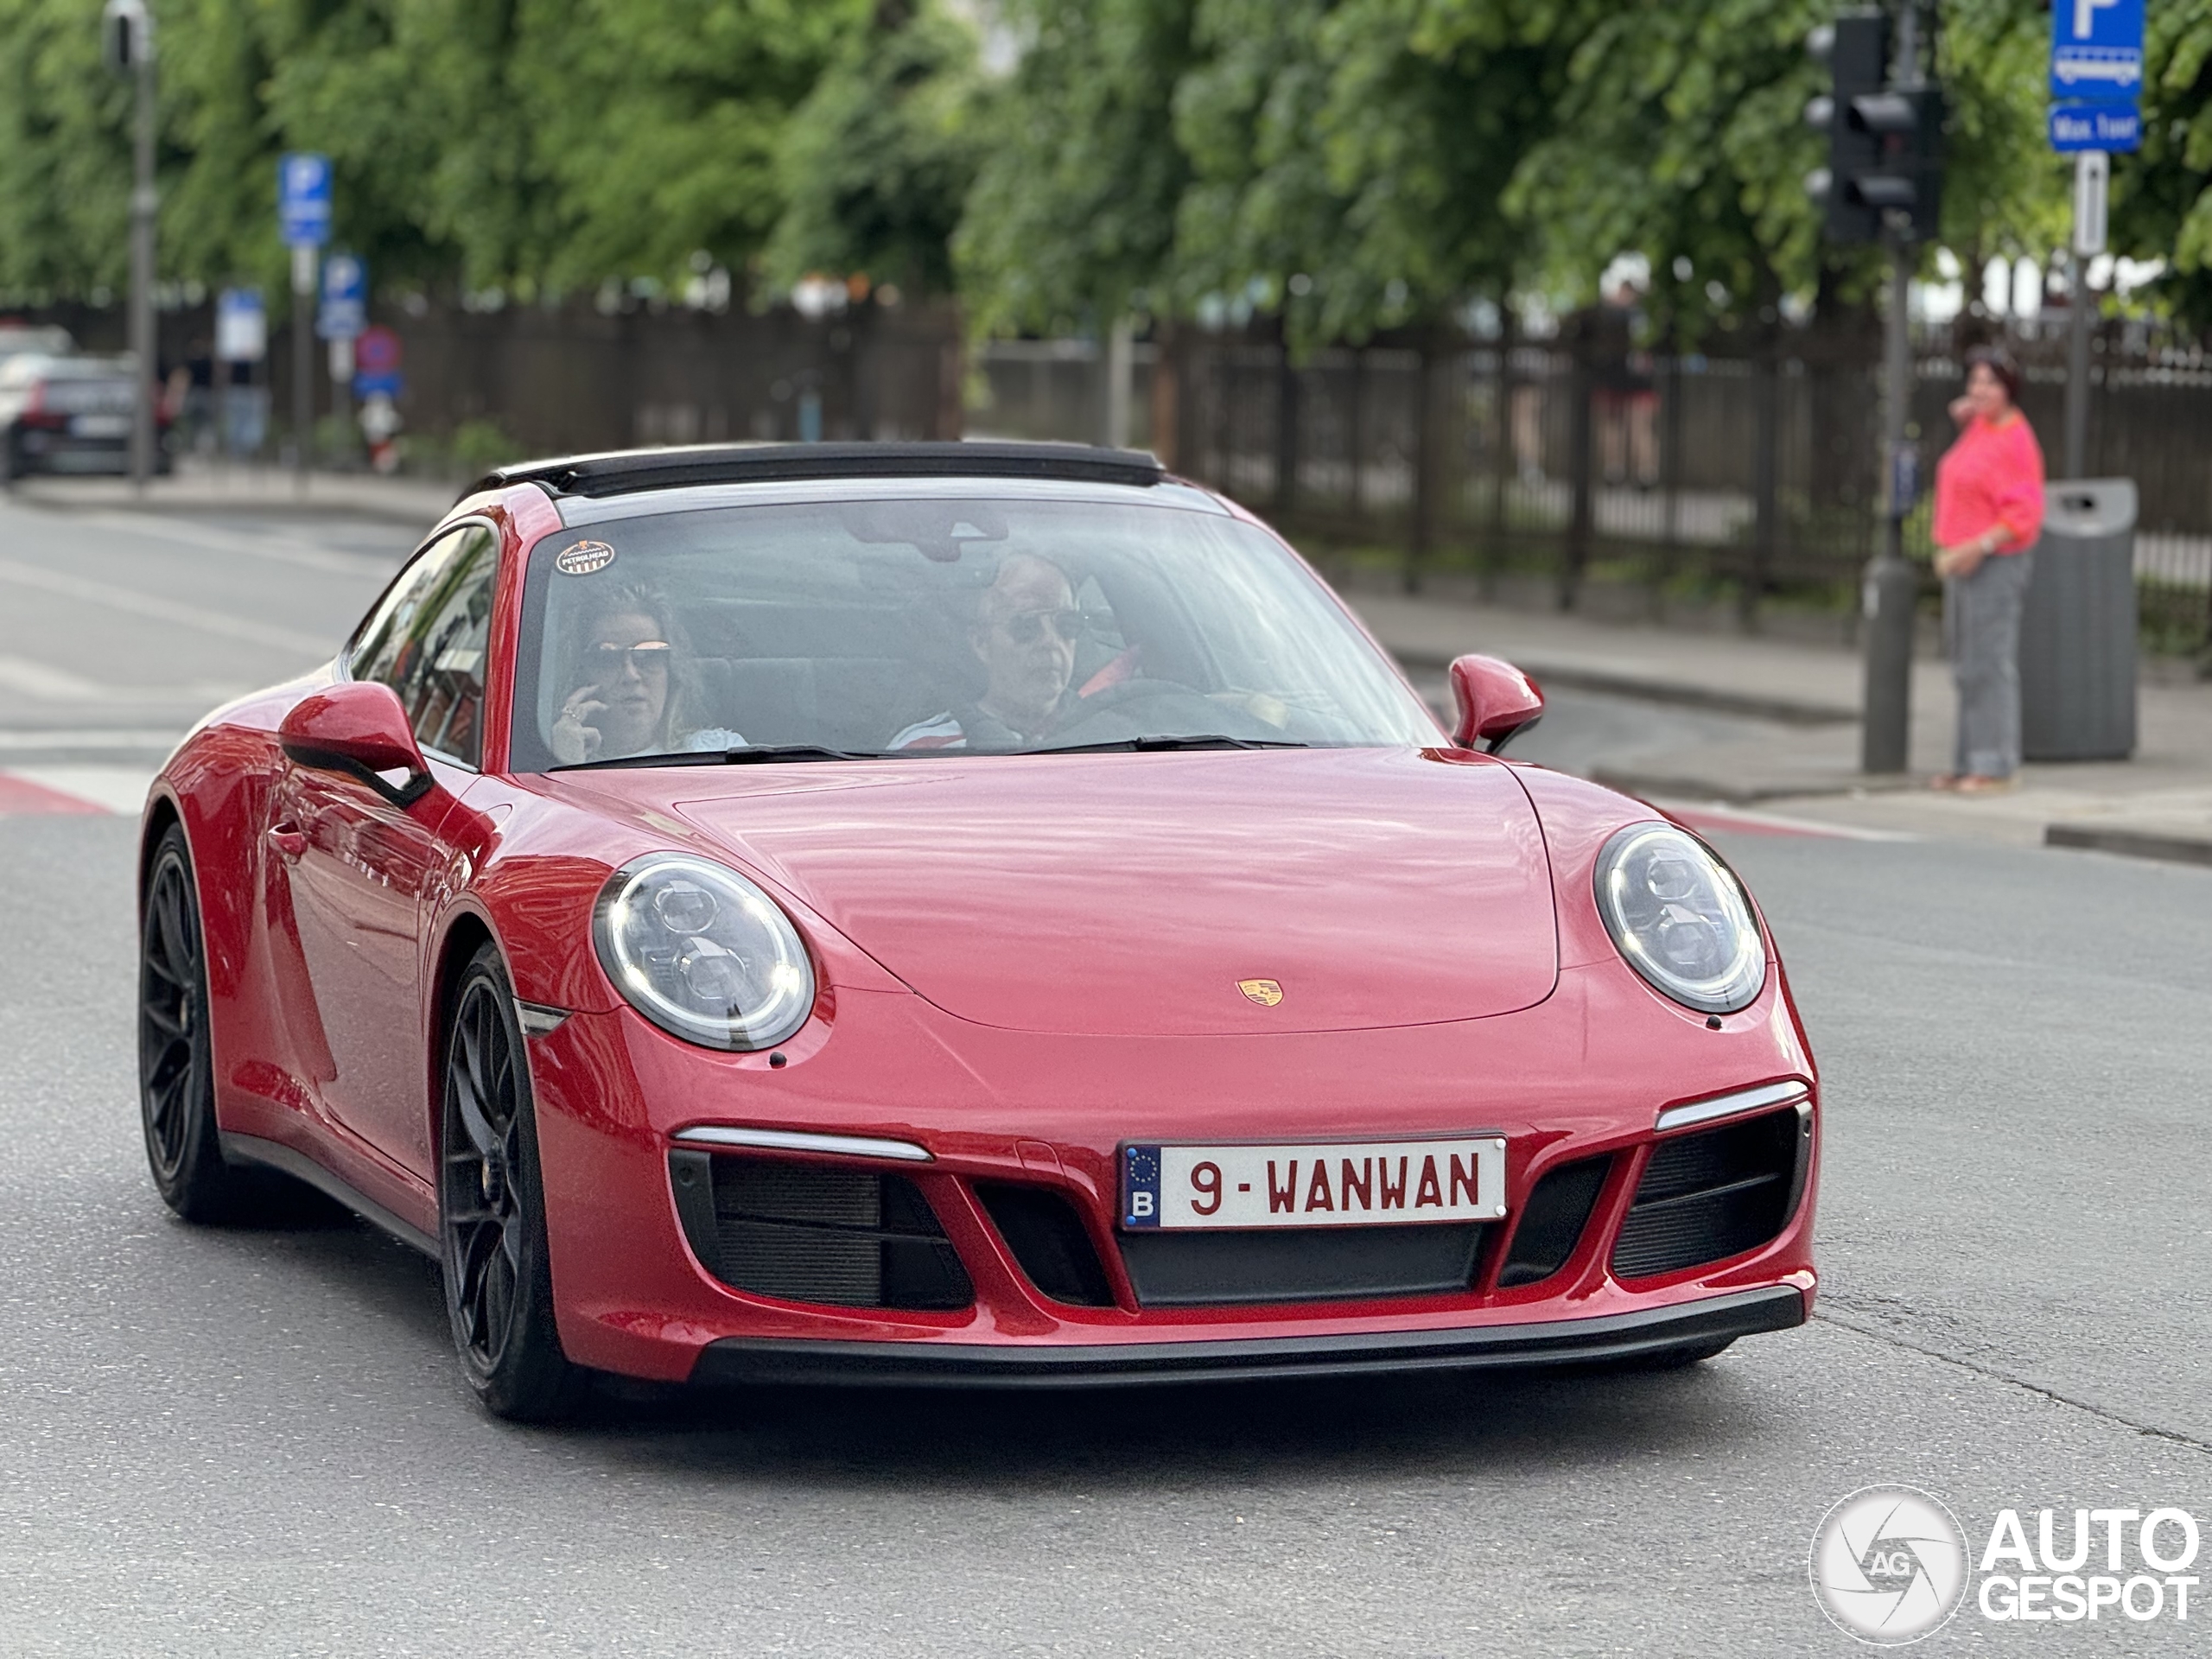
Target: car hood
{"x":1134,"y":894}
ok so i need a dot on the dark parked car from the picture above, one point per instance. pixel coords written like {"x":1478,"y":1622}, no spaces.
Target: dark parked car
{"x":66,"y":415}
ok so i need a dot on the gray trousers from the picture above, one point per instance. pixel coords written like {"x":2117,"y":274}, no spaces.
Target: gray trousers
{"x":1981,"y":628}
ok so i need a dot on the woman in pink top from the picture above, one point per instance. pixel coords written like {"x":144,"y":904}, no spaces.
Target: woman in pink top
{"x":1988,"y":514}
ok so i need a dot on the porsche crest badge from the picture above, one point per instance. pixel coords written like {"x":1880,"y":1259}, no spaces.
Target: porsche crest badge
{"x":1265,"y":992}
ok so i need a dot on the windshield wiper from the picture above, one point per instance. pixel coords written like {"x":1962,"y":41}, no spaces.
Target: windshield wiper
{"x":754,"y":754}
{"x":1165,"y":745}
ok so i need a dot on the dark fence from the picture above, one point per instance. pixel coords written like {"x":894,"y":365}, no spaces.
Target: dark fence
{"x":553,"y":381}
{"x":1744,"y":476}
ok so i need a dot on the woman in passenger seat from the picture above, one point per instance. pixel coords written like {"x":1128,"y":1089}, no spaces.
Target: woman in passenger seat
{"x":633,"y":686}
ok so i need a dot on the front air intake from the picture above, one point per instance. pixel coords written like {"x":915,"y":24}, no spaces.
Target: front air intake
{"x":1552,"y":1221}
{"x":809,"y":1232}
{"x":1047,"y":1238}
{"x":1712,"y":1195}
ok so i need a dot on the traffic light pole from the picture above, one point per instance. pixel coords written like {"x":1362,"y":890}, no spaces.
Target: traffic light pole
{"x":143,"y":202}
{"x":1892,"y":586}
{"x":1891,"y":598}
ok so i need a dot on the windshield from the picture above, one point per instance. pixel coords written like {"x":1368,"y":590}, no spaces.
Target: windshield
{"x":919,"y":626}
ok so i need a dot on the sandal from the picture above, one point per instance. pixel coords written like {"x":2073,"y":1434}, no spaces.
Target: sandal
{"x":1944,"y":780}
{"x":1976,"y":784}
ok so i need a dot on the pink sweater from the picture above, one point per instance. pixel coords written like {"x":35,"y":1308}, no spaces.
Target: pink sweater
{"x":1991,"y":478}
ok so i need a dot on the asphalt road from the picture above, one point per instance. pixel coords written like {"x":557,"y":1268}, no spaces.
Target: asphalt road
{"x":249,"y":1443}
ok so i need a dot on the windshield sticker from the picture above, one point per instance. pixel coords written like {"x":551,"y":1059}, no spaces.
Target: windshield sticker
{"x":584,"y":558}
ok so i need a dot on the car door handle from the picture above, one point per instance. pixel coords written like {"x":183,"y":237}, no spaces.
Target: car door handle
{"x":287,"y":839}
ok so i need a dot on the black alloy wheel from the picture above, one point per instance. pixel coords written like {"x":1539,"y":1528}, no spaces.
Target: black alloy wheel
{"x":176,"y":1072}
{"x":492,"y":1210}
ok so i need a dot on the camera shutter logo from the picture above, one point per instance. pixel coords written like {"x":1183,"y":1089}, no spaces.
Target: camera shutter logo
{"x":1888,"y":1565}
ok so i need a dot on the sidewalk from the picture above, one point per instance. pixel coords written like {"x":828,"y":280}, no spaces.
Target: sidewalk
{"x":200,"y":487}
{"x":1796,"y":751}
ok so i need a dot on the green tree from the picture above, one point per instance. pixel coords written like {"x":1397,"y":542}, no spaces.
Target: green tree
{"x":879,"y":158}
{"x":1074,"y":208}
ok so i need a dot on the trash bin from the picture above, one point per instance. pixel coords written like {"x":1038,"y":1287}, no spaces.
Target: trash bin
{"x":2077,"y":629}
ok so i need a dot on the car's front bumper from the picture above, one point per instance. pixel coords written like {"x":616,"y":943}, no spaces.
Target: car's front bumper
{"x":1645,"y":1333}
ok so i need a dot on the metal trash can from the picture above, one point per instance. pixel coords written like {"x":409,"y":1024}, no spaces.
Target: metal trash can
{"x":2077,"y":628}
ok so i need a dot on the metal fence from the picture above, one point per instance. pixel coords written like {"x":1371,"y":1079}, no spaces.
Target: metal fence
{"x":1742,"y":477}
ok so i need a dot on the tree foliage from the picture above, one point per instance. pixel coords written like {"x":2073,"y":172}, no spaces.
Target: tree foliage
{"x":1353,"y":164}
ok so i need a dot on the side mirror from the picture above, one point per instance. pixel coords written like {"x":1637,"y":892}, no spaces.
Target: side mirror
{"x":1496,"y":701}
{"x":359,"y":729}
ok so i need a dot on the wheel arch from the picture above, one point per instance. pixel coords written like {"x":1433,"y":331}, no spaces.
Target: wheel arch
{"x":465,"y":935}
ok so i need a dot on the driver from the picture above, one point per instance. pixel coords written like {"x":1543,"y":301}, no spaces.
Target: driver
{"x":630,"y":684}
{"x":1025,"y":633}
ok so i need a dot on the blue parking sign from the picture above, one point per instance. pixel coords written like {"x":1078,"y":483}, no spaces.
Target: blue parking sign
{"x":303,"y":198}
{"x":2096,"y":51}
{"x":345,"y":310}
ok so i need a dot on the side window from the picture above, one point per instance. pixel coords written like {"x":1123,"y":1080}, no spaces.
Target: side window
{"x":427,"y":639}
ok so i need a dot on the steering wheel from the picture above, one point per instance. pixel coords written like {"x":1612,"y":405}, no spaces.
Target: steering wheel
{"x":1144,"y":708}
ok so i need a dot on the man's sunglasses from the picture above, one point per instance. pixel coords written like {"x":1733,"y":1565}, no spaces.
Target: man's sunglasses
{"x":650,"y":657}
{"x":1028,"y":627}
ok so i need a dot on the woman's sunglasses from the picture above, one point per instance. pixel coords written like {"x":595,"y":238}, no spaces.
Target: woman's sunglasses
{"x":649,"y":659}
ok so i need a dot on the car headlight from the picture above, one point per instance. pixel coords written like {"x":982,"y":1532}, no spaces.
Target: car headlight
{"x":1680,"y":917}
{"x":702,"y":953}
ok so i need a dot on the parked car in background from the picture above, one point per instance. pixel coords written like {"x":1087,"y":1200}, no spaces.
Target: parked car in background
{"x":62,"y":414}
{"x":16,"y":338}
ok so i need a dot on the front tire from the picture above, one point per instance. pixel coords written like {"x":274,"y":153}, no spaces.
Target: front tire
{"x":492,"y":1208}
{"x":176,"y":1070}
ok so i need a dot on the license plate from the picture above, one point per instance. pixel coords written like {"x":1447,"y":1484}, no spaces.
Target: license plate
{"x":101,"y":426}
{"x":1370,"y":1184}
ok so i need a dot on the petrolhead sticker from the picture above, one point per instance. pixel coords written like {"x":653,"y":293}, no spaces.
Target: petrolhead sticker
{"x":583,"y":558}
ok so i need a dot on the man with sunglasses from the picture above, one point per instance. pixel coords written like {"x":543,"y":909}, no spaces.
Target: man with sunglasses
{"x":1025,"y":634}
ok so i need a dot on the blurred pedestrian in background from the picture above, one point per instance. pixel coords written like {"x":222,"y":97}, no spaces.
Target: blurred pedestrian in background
{"x":1988,"y":513}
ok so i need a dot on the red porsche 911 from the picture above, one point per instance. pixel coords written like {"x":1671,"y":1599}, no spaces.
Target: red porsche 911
{"x":962,"y":913}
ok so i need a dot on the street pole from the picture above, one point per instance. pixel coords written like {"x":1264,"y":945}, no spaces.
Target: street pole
{"x":2092,"y":171}
{"x":303,"y":289}
{"x":1892,"y":595}
{"x":144,"y":200}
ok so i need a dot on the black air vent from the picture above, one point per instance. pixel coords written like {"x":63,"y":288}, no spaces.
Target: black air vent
{"x":1047,"y":1238}
{"x":1709,"y":1196}
{"x":817,"y":1232}
{"x":1305,"y":1264}
{"x":1552,"y":1221}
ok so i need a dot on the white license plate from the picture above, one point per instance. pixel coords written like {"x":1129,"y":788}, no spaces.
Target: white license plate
{"x":1367,"y":1185}
{"x":101,"y":426}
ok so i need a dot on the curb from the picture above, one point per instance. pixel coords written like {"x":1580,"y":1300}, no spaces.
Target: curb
{"x":1629,"y":781}
{"x":1786,"y":710}
{"x":335,"y":500}
{"x":2131,"y":843}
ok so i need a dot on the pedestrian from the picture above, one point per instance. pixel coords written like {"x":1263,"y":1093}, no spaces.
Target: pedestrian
{"x":1988,"y":514}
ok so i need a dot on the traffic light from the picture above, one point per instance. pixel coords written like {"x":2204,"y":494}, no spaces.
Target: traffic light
{"x":126,"y":36}
{"x":1885,"y":158}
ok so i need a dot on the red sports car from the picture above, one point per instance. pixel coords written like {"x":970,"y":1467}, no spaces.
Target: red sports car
{"x":955,"y":914}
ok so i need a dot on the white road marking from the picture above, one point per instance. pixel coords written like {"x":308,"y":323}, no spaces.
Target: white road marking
{"x":112,"y":596}
{"x":62,"y":739}
{"x":281,"y":549}
{"x":48,"y":684}
{"x":1721,"y":814}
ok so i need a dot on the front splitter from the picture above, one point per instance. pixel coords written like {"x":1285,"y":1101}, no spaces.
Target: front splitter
{"x":1650,"y":1333}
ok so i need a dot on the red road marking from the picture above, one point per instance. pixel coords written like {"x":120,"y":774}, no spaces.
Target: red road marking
{"x":21,"y":797}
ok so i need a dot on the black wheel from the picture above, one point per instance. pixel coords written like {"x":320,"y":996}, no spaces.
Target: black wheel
{"x":492,"y":1208}
{"x":176,"y":1077}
